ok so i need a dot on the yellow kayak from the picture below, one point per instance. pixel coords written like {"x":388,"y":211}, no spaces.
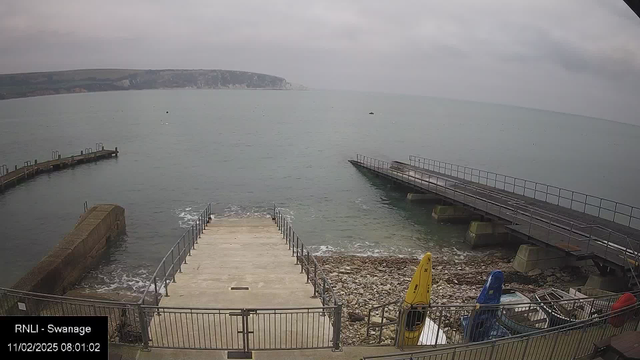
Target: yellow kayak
{"x":418,"y":294}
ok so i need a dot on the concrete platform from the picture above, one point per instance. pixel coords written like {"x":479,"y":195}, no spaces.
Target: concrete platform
{"x":249,"y":255}
{"x":241,"y":253}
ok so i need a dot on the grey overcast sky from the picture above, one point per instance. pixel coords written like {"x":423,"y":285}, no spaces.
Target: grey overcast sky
{"x":576,"y":56}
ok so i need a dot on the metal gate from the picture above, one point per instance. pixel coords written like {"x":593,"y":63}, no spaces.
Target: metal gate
{"x":244,"y":329}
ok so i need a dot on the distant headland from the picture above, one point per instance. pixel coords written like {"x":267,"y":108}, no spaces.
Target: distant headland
{"x":92,"y":80}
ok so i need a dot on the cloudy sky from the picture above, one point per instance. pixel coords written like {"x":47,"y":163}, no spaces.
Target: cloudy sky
{"x":545,"y":54}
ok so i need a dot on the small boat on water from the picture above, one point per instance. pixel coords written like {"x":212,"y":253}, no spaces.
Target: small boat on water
{"x":522,"y":317}
{"x":561,"y":307}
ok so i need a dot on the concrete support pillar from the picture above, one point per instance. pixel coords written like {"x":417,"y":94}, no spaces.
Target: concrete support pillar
{"x":611,"y":283}
{"x":485,"y":234}
{"x":531,"y":257}
{"x":422,"y":197}
{"x":445,"y":213}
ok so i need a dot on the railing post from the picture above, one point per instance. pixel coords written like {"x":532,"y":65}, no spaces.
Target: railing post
{"x":308,"y":265}
{"x":164,"y":278}
{"x":180,"y":256}
{"x":142,"y":317}
{"x":337,"y":323}
{"x":155,"y":293}
{"x":297,"y":247}
{"x":173,"y":265}
{"x":302,"y":258}
{"x":192,"y":245}
{"x":324,"y":290}
{"x":438,"y":328}
{"x":315,"y":279}
{"x":402,"y":319}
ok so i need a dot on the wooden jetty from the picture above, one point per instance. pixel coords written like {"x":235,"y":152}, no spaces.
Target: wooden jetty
{"x":9,"y":179}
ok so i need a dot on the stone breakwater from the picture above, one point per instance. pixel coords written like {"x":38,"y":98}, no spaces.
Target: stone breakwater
{"x":362,"y":282}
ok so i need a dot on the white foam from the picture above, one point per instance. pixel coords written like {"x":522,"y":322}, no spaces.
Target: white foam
{"x":365,"y":249}
{"x":240,"y":212}
{"x":117,"y":279}
{"x":186,"y":217}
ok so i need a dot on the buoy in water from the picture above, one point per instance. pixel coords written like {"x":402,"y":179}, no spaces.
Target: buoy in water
{"x":371,"y":113}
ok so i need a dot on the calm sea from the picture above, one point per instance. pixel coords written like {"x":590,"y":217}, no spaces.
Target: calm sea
{"x":245,"y":150}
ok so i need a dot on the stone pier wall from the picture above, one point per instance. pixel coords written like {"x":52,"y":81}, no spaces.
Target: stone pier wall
{"x":74,"y":255}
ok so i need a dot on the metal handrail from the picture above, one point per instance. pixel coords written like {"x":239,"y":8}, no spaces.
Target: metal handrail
{"x":188,"y":240}
{"x":538,"y":187}
{"x":306,"y":263}
{"x":593,"y":303}
{"x":498,"y":306}
{"x":66,"y":299}
{"x":578,"y":325}
{"x":504,"y":211}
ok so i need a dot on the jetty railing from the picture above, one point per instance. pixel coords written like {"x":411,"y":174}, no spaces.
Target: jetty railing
{"x":322,"y":287}
{"x":607,"y":209}
{"x":588,"y":204}
{"x":243,"y":329}
{"x":171,"y":264}
{"x":125,"y":320}
{"x":567,"y":342}
{"x":445,"y":321}
{"x":573,"y":237}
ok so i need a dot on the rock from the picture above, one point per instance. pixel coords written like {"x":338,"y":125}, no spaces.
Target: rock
{"x":371,"y":113}
{"x":355,"y":316}
{"x":376,"y":320}
{"x":390,"y":318}
{"x":534,"y":272}
{"x":388,"y":334}
{"x":566,"y":278}
{"x":551,"y":278}
{"x":373,"y":281}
